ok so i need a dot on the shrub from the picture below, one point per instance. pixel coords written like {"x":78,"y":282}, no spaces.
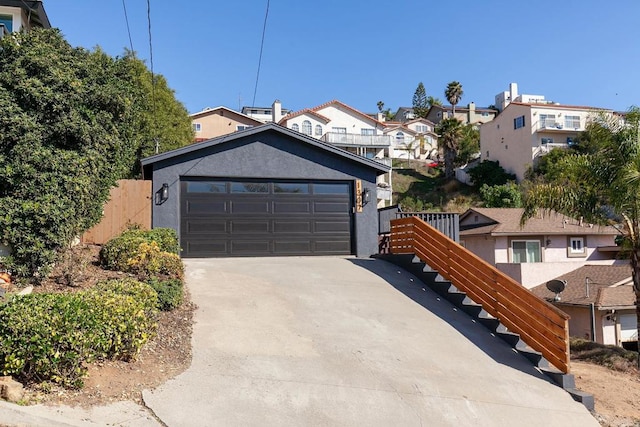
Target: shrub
{"x":116,"y":253}
{"x":51,"y":337}
{"x":501,"y":196}
{"x":169,"y":292}
{"x":151,"y":261}
{"x":490,"y":173}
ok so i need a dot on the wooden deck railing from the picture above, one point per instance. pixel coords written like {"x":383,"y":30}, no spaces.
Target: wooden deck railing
{"x":540,"y":325}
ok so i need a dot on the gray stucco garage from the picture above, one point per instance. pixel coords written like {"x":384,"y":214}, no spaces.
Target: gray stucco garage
{"x":266,"y":191}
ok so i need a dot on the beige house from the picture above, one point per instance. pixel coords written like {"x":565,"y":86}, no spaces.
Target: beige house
{"x":413,"y":139}
{"x":523,"y":132}
{"x":546,"y":247}
{"x":601,"y":302}
{"x":214,"y":122}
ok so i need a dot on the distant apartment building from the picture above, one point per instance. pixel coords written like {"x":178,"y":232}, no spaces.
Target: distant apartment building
{"x":267,"y":114}
{"x":523,"y":132}
{"x":467,"y":115}
{"x":18,"y":15}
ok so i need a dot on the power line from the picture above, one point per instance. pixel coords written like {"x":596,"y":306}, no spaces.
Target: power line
{"x":153,"y":78}
{"x":264,"y":29}
{"x":126,"y":18}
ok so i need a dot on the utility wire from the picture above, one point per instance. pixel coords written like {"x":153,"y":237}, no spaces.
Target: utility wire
{"x":126,"y":18}
{"x":153,"y":78}
{"x":264,"y":29}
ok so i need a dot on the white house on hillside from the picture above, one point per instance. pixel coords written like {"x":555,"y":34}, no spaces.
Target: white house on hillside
{"x":17,"y":15}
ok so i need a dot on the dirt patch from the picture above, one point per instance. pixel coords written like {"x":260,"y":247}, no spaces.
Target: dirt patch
{"x":161,"y":359}
{"x":616,"y":394}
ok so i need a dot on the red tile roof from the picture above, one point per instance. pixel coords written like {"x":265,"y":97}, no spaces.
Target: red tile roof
{"x":326,"y":104}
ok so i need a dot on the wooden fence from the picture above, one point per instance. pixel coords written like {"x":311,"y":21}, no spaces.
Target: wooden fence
{"x":129,"y":203}
{"x":540,"y":325}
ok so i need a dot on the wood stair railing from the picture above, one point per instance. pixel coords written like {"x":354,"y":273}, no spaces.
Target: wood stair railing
{"x":540,"y":325}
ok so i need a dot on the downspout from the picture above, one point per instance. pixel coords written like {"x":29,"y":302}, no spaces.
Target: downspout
{"x":593,"y":322}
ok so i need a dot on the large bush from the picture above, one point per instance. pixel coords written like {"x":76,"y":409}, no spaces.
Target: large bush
{"x":117,"y":252}
{"x":72,"y":122}
{"x":170,"y":292}
{"x":51,"y":337}
{"x":490,"y":173}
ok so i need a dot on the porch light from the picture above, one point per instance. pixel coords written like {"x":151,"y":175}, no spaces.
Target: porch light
{"x":365,"y":196}
{"x":162,"y":195}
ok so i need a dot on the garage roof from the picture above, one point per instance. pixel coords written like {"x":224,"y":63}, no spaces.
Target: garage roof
{"x":269,"y":127}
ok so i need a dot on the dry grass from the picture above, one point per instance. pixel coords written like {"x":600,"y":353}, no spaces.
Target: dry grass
{"x":612,"y":357}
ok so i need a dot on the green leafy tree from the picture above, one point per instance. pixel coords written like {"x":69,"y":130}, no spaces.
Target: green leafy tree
{"x":469,"y":145}
{"x":453,"y":93}
{"x":386,"y":111}
{"x":163,"y":123}
{"x":68,"y":124}
{"x":501,"y":196}
{"x":431,"y":101}
{"x":420,"y":106}
{"x":605,"y":185}
{"x":490,"y":173}
{"x":449,"y":133}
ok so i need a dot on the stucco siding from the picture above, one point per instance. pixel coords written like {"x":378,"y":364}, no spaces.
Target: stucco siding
{"x":266,"y":155}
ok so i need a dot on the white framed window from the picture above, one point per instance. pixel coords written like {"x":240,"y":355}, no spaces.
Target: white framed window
{"x":572,"y":122}
{"x":295,"y":127}
{"x":400,"y":137}
{"x":243,"y":127}
{"x":524,"y":251}
{"x":546,"y":141}
{"x":518,"y":122}
{"x":576,"y":246}
{"x":339,"y":130}
{"x":306,"y":127}
{"x":422,"y":128}
{"x":197,"y":127}
{"x":364,"y":131}
{"x":547,"y":120}
{"x":318,"y":130}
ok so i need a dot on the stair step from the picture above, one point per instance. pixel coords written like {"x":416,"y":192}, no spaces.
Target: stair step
{"x":455,"y":296}
{"x":470,"y":307}
{"x":511,"y":338}
{"x":534,"y":356}
{"x":488,"y":320}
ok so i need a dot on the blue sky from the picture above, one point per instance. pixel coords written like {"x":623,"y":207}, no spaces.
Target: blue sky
{"x":574,"y":52}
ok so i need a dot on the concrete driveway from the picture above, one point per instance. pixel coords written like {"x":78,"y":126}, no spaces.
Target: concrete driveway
{"x":326,"y":341}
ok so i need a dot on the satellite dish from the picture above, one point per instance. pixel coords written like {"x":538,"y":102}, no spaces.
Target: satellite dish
{"x":556,"y":286}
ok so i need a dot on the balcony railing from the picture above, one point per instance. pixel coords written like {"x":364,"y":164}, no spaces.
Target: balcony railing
{"x":558,"y":126}
{"x":384,"y":193}
{"x":352,"y":139}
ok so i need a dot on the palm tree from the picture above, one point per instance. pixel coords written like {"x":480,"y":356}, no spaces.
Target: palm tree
{"x":600,"y":184}
{"x":453,"y":93}
{"x":449,"y":133}
{"x":431,"y":101}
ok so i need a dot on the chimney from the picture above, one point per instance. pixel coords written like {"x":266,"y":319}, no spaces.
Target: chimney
{"x":472,"y":107}
{"x":380,"y":117}
{"x":513,"y":91}
{"x":276,"y":111}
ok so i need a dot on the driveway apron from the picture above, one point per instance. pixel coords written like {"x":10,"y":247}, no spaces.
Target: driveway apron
{"x":329,"y":341}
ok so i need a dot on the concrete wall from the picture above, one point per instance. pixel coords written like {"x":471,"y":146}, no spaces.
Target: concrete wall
{"x":481,"y":246}
{"x":266,"y":155}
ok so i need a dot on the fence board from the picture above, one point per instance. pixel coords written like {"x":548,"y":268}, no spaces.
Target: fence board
{"x":129,"y":203}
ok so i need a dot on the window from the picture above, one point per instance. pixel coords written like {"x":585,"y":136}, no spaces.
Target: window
{"x":572,"y":122}
{"x":577,"y":248}
{"x":339,"y":130}
{"x":546,"y":140}
{"x":295,"y":127}
{"x":206,"y":187}
{"x":249,"y":187}
{"x":525,"y":251}
{"x":243,"y":127}
{"x":290,"y":187}
{"x":422,"y":128}
{"x":318,"y":130}
{"x":547,"y":120}
{"x":328,"y":188}
{"x":400,"y":137}
{"x":306,"y":127}
{"x":7,"y":21}
{"x":518,"y":122}
{"x":197,"y":127}
{"x":366,"y":131}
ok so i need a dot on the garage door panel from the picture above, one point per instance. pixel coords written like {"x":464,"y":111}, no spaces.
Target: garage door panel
{"x":291,"y":207}
{"x":250,"y":247}
{"x":250,"y":227}
{"x":331,"y":207}
{"x":292,"y":226}
{"x":247,"y":207}
{"x":206,"y":207}
{"x":205,"y":226}
{"x":333,"y":227}
{"x":263,"y":218}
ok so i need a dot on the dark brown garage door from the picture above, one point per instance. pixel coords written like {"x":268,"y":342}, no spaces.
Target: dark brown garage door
{"x":265,"y":218}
